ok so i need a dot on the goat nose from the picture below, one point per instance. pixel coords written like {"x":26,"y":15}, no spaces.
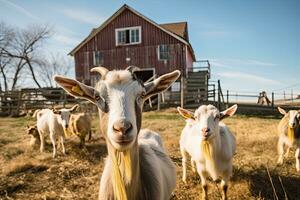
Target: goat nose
{"x":122,"y":126}
{"x":67,"y":125}
{"x":205,"y":131}
{"x":293,"y":124}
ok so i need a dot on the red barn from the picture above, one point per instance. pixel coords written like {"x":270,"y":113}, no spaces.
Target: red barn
{"x":129,"y":38}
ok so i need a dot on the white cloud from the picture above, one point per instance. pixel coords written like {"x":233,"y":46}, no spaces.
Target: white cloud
{"x":83,"y":16}
{"x":21,"y":10}
{"x":249,"y":62}
{"x":235,"y":62}
{"x":261,"y":63}
{"x":66,"y":39}
{"x":248,"y":77}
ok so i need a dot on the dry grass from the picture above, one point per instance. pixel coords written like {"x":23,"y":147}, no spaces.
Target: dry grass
{"x":27,"y":174}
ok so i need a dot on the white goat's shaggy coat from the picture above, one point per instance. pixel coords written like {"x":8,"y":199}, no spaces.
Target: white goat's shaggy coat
{"x":221,"y":144}
{"x":48,"y":124}
{"x":137,"y":166}
{"x":289,"y":135}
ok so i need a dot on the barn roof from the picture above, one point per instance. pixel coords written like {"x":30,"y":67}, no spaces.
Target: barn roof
{"x":179,"y":28}
{"x":171,"y":29}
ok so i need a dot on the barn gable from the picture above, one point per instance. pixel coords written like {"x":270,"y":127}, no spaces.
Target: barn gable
{"x":175,"y":30}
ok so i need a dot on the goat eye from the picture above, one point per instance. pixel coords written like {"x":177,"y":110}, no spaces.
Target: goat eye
{"x":217,"y":117}
{"x":97,"y":97}
{"x":143,"y":94}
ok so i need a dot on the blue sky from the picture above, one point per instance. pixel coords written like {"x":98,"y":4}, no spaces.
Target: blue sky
{"x":252,"y":45}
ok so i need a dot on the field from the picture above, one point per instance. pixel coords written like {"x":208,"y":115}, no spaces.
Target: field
{"x":25,"y":173}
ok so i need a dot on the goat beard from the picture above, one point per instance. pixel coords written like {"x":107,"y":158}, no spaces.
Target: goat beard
{"x":205,"y":147}
{"x":207,"y":150}
{"x":67,"y":132}
{"x":121,"y":177}
{"x":291,"y":134}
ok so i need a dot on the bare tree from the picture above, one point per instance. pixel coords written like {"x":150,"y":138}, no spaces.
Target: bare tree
{"x":7,"y":35}
{"x":56,"y":64}
{"x":26,"y":48}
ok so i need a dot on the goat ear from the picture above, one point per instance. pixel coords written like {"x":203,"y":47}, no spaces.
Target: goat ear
{"x":161,"y":83}
{"x":281,"y":110}
{"x":75,"y":88}
{"x":74,"y":108}
{"x":186,"y":113}
{"x":228,"y":112}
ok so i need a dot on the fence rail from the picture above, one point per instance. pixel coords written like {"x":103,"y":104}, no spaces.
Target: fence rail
{"x":25,"y":100}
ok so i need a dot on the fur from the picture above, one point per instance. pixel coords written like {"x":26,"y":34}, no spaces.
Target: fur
{"x":137,"y":166}
{"x":289,"y":135}
{"x":213,"y":156}
{"x":80,"y":125}
{"x":48,"y":123}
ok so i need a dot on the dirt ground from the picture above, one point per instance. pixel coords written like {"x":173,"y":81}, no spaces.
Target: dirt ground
{"x":25,"y":173}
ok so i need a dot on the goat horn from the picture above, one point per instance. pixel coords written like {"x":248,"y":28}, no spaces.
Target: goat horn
{"x":101,"y":70}
{"x":133,"y":68}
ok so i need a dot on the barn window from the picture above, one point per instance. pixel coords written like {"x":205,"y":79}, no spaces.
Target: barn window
{"x":97,"y":58}
{"x":127,"y":36}
{"x":163,"y":52}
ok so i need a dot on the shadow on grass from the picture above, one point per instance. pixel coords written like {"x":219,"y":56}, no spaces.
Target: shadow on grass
{"x":261,"y":187}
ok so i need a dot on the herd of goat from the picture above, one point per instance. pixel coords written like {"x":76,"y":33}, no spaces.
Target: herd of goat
{"x":137,"y":165}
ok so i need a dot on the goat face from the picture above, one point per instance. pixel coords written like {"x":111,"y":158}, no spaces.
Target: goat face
{"x":205,"y":120}
{"x":64,"y":115}
{"x":119,"y":96}
{"x":32,"y":130}
{"x":120,"y":100}
{"x":292,"y":115}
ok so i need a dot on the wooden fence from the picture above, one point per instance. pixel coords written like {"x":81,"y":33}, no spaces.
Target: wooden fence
{"x":21,"y":102}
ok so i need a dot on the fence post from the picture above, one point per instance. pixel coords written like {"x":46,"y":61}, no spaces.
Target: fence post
{"x":272,"y":99}
{"x":219,"y":97}
{"x":158,"y":102}
{"x":182,"y":91}
{"x":227,"y":97}
{"x":65,"y":98}
{"x":19,"y":103}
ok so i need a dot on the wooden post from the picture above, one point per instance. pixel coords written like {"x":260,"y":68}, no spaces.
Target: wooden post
{"x":150,"y":102}
{"x":182,"y":91}
{"x":272,"y":100}
{"x":219,"y":97}
{"x":19,"y":102}
{"x":227,"y":97}
{"x":163,"y":97}
{"x":65,"y":98}
{"x":158,"y":102}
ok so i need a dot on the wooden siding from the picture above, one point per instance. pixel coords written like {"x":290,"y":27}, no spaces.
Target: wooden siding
{"x":189,"y":61}
{"x":143,"y":55}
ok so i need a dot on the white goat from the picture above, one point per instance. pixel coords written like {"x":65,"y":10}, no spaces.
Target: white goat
{"x":137,"y":166}
{"x":209,"y":143}
{"x":55,"y":124}
{"x":289,"y":135}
